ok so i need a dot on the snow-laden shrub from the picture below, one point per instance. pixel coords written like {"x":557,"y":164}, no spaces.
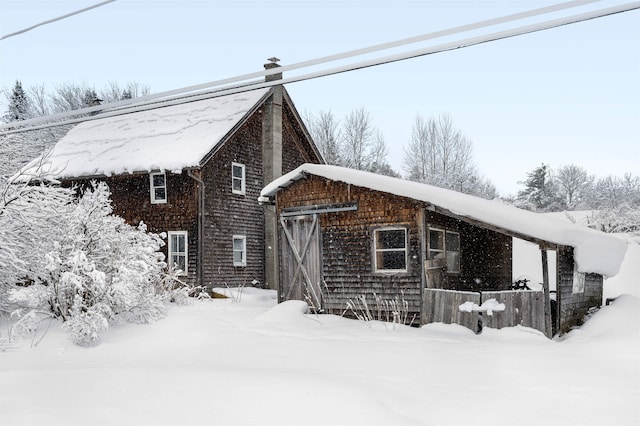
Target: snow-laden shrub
{"x":104,"y":268}
{"x":97,"y":269}
{"x":30,"y":218}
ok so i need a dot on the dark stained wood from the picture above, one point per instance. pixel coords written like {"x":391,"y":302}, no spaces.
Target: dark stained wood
{"x":522,"y":307}
{"x":545,"y":285}
{"x":573,"y":307}
{"x":444,"y":306}
{"x":347,"y":267}
{"x":485,"y":255}
{"x":212,"y":214}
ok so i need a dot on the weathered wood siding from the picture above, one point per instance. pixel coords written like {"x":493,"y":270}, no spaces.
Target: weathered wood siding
{"x":296,"y":149}
{"x":525,"y":308}
{"x":485,"y":262}
{"x":444,"y":306}
{"x":347,"y":241}
{"x":573,"y":307}
{"x":131,"y":200}
{"x":227,"y":214}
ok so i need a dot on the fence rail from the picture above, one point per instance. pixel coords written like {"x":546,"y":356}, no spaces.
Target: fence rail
{"x":522,"y":307}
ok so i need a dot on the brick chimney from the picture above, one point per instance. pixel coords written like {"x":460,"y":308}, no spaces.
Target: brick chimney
{"x":272,"y":169}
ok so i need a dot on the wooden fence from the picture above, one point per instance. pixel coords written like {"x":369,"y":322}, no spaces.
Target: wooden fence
{"x":522,"y":307}
{"x":443,"y":306}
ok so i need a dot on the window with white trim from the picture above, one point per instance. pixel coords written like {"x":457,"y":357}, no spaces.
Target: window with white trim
{"x":178,"y":251}
{"x":444,"y":246}
{"x":239,"y":250}
{"x":237,"y":178}
{"x":390,"y":250}
{"x":158,"y":188}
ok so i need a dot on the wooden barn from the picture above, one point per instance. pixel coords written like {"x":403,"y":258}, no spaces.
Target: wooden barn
{"x":194,"y":171}
{"x":347,"y":233}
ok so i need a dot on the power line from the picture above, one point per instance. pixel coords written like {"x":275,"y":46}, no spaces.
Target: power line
{"x":59,"y":18}
{"x":355,"y":66}
{"x":309,"y":63}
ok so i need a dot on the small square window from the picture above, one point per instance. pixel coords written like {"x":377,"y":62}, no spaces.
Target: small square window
{"x":390,"y":249}
{"x":237,"y":178}
{"x":158,"y":188}
{"x":239,"y":250}
{"x":178,"y":251}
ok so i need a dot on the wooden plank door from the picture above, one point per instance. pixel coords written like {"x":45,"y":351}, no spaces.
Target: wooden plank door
{"x":301,"y":260}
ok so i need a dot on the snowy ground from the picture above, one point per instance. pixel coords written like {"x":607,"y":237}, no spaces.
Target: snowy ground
{"x":223,"y":362}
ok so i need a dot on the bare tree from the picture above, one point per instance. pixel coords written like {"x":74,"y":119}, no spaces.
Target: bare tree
{"x":421,"y":153}
{"x":363,"y":145}
{"x":113,"y":92}
{"x":439,"y":154}
{"x":325,"y":132}
{"x":574,"y":184}
{"x":39,"y":101}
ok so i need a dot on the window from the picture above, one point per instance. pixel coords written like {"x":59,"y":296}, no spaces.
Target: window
{"x":445,"y":247}
{"x":237,"y":178}
{"x":178,"y":248}
{"x":239,"y":250}
{"x":578,"y":281}
{"x":158,"y":186}
{"x":390,"y":250}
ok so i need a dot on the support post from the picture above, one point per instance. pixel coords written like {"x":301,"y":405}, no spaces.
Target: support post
{"x":547,"y":295}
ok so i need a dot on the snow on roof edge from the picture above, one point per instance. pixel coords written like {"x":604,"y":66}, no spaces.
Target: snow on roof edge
{"x":594,"y":251}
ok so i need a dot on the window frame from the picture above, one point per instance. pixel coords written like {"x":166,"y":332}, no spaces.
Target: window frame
{"x":444,"y":249}
{"x":243,"y":262}
{"x":579,"y":281}
{"x":172,"y":252}
{"x":152,"y":188}
{"x":376,"y":250}
{"x":242,"y":179}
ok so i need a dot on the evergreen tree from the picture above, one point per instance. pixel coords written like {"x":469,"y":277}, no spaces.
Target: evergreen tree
{"x":19,"y":106}
{"x":541,"y":191}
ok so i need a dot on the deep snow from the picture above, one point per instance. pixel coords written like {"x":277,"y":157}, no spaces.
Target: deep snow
{"x":252,"y":362}
{"x":257,"y":363}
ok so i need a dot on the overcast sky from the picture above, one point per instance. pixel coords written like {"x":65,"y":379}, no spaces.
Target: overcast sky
{"x":566,"y":95}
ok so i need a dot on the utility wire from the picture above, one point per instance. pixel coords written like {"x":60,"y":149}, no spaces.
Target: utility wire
{"x":59,"y":18}
{"x":313,"y":62}
{"x":363,"y":64}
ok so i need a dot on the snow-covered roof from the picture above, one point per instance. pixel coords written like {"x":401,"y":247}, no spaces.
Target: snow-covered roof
{"x":169,"y":138}
{"x":594,"y":251}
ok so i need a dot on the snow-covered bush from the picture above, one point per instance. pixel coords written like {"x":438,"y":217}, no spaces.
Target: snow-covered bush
{"x":92,"y":270}
{"x":30,"y":218}
{"x":103,"y":268}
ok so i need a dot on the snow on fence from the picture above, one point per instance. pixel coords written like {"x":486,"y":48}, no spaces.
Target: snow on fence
{"x":522,"y":307}
{"x":443,"y":306}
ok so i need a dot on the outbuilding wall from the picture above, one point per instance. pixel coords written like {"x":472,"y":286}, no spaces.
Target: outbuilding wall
{"x":574,"y":306}
{"x":485,"y":256}
{"x":347,"y":242}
